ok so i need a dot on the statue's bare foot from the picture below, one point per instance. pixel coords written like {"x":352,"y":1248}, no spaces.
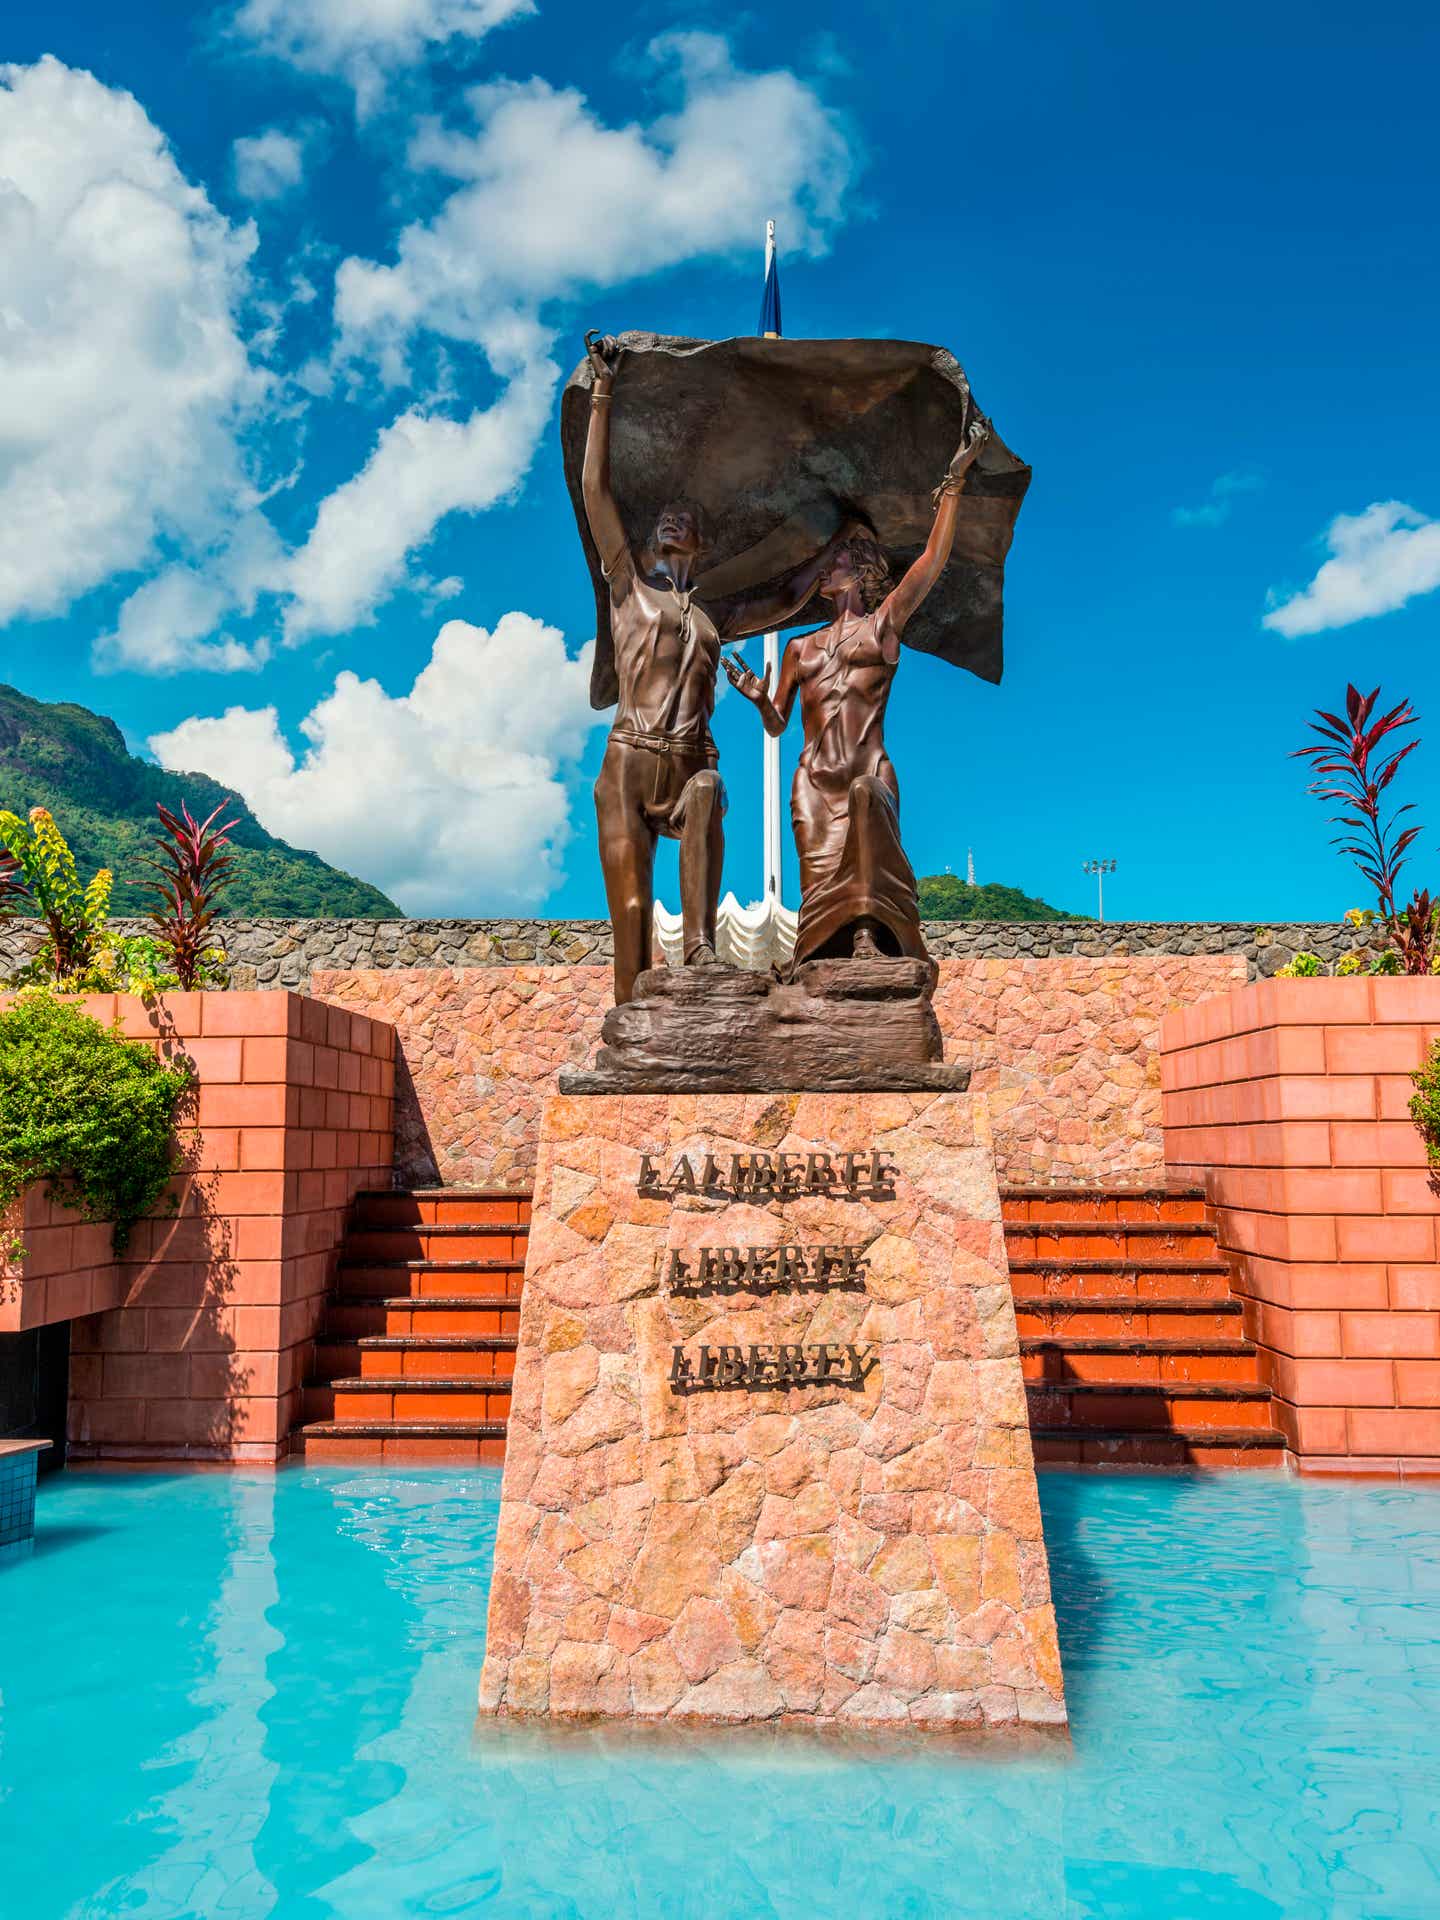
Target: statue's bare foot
{"x":703,"y":956}
{"x":865,"y":946}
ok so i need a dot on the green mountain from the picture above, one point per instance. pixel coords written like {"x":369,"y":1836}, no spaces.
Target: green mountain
{"x":75,"y":762}
{"x":945,"y":896}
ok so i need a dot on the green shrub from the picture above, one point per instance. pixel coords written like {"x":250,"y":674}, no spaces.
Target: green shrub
{"x":1425,"y":1104}
{"x":80,"y":953}
{"x":91,"y":1114}
{"x":1305,"y":966}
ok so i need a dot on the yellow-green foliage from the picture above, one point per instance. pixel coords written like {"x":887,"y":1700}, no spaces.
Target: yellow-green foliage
{"x":1425,"y":1104}
{"x":79,"y":954}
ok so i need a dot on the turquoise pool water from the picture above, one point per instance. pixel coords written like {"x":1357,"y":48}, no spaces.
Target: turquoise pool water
{"x":230,"y":1696}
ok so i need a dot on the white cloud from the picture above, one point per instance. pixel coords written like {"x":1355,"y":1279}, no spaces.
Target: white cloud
{"x":173,"y":622}
{"x":1215,"y":510}
{"x":124,"y":380}
{"x":449,"y":797}
{"x":1379,"y":559}
{"x":423,"y":467}
{"x":132,"y":404}
{"x":268,"y":165}
{"x":552,"y":201}
{"x":366,"y":41}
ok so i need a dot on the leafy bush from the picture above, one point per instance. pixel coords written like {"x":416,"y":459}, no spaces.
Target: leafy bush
{"x":86,"y":1111}
{"x":195,"y":867}
{"x":1305,"y":966}
{"x":1425,"y":1104}
{"x":79,"y":953}
{"x":1350,"y":775}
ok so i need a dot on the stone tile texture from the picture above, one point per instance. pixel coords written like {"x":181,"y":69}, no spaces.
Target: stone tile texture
{"x":1064,"y":1051}
{"x":816,"y":1555}
{"x":285,"y":953}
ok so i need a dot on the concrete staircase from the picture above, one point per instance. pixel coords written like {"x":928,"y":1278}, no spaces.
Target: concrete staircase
{"x":414,"y":1358}
{"x":1132,"y":1343}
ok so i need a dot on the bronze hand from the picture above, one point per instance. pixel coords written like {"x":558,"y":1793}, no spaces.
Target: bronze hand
{"x":603,"y":352}
{"x":743,"y":680}
{"x":968,"y":451}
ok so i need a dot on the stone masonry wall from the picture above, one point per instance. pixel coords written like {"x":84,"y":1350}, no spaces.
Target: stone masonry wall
{"x":1064,"y":1051}
{"x":284,"y":953}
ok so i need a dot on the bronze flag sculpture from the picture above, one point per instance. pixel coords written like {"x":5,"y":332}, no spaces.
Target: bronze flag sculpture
{"x":780,"y":443}
{"x":734,"y":479}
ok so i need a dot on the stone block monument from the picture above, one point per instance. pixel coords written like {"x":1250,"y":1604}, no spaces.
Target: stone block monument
{"x":768,"y":1459}
{"x":768,"y":1456}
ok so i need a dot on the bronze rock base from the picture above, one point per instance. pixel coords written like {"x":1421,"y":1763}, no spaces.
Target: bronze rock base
{"x":837,"y":1026}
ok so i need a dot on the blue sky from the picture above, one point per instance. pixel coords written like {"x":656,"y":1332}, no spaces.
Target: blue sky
{"x":281,"y":413}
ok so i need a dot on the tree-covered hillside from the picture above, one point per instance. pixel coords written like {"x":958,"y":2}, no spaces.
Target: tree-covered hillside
{"x":945,"y":896}
{"x":75,"y":762}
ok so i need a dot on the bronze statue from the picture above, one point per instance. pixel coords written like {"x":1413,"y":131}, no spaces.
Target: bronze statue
{"x":659,"y":773}
{"x":777,"y":444}
{"x":857,"y":889}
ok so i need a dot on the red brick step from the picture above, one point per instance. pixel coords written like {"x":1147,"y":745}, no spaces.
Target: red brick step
{"x":469,"y":1443}
{"x":1130,"y":1335}
{"x":1131,"y":1339}
{"x":382,"y":1279}
{"x":1125,"y":1317}
{"x":1133,"y":1361}
{"x":352,"y":1317}
{"x":403,"y":1397}
{"x":414,"y":1357}
{"x":1217,"y":1448}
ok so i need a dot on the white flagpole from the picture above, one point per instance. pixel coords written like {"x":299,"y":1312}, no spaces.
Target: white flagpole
{"x":771,"y":749}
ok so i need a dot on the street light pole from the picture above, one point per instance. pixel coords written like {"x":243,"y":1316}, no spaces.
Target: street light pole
{"x":1100,"y":868}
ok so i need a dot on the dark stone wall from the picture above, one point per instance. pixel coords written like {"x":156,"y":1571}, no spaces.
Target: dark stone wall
{"x":34,"y":1375}
{"x":283,"y":953}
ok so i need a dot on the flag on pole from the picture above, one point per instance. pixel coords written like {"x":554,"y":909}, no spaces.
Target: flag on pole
{"x":770,"y":745}
{"x":770,"y":300}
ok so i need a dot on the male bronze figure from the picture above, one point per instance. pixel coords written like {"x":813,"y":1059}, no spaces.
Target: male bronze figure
{"x":857,"y":889}
{"x":659,"y":774}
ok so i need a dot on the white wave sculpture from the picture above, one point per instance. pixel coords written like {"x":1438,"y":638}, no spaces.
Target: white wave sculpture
{"x":759,"y":936}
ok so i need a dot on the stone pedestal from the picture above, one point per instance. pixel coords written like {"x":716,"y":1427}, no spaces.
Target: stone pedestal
{"x":768,"y":1456}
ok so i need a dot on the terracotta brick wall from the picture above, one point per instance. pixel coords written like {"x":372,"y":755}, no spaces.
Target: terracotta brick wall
{"x":1288,"y":1099}
{"x":203,"y":1342}
{"x":1065,"y":1050}
{"x":68,"y":1267}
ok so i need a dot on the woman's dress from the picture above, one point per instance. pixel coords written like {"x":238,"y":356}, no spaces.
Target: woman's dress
{"x":845,"y":800}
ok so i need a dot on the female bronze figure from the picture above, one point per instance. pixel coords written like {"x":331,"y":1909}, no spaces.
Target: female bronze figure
{"x":659,"y":772}
{"x":857,"y":889}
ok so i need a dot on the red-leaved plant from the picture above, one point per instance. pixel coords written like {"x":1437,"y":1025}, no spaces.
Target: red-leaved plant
{"x":1354,"y":773}
{"x":194,"y":865}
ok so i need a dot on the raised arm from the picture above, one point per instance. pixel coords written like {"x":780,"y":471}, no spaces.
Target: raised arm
{"x":774,"y":714}
{"x":606,"y":528}
{"x":765,"y":609}
{"x":922,"y":575}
